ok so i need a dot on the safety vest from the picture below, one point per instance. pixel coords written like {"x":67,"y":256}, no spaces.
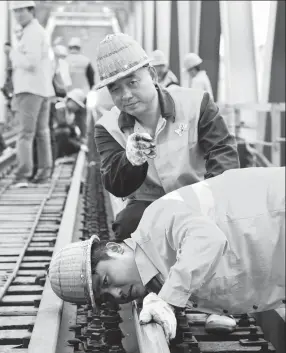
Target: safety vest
{"x":78,"y":64}
{"x":179,"y":158}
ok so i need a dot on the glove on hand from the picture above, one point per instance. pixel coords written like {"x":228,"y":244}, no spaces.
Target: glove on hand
{"x":84,"y":148}
{"x":161,"y":312}
{"x":139,"y":147}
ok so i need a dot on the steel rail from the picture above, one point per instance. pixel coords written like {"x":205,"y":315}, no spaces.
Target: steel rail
{"x":151,"y":337}
{"x":13,"y":275}
{"x":47,"y":325}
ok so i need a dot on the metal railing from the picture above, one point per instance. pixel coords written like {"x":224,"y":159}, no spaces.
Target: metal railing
{"x":262,"y":111}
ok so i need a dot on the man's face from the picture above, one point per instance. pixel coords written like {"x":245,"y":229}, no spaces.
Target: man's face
{"x":192,"y":72}
{"x":118,"y":277}
{"x":134,"y":93}
{"x":23,"y":16}
{"x":161,"y":70}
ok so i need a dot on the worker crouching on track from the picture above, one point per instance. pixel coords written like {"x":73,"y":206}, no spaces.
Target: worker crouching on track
{"x":154,"y":140}
{"x":217,"y":246}
{"x":70,"y":129}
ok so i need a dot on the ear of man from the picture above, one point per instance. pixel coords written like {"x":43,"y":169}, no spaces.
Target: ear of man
{"x":153,"y":73}
{"x":115,"y":247}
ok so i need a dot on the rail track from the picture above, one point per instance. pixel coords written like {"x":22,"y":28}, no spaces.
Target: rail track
{"x":32,"y":224}
{"x":37,"y":222}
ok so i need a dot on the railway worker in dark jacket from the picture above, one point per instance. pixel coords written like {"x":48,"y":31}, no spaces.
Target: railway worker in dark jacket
{"x":154,"y":140}
{"x":217,"y":246}
{"x":166,"y":78}
{"x":70,"y":129}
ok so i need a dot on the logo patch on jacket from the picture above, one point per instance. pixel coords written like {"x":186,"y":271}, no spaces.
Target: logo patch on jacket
{"x":181,"y":129}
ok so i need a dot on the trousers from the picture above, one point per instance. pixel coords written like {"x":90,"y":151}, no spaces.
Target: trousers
{"x":32,"y":113}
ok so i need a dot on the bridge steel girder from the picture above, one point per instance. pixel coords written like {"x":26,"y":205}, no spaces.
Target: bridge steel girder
{"x":3,"y":62}
{"x":273,"y":84}
{"x":240,"y":59}
{"x":163,"y":26}
{"x":174,"y":40}
{"x":185,"y":33}
{"x":138,"y":8}
{"x":209,"y":41}
{"x":148,"y":26}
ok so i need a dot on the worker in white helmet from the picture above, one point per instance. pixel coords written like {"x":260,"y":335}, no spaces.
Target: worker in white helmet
{"x":32,"y":81}
{"x":199,"y":78}
{"x":166,"y":78}
{"x":81,"y":70}
{"x":154,"y":140}
{"x":70,"y":124}
{"x":217,"y":246}
{"x":62,"y":66}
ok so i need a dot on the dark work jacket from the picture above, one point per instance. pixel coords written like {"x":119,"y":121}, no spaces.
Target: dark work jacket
{"x":216,"y":143}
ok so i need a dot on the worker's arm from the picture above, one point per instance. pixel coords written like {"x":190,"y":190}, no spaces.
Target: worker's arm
{"x":216,"y":141}
{"x":28,"y":55}
{"x":119,"y":176}
{"x":90,"y":75}
{"x":199,"y":244}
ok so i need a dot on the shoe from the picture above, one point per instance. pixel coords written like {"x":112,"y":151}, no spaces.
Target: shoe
{"x":220,"y":324}
{"x":21,"y":183}
{"x":41,"y":180}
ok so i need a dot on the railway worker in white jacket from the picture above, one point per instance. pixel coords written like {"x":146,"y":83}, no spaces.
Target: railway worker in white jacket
{"x":217,"y":246}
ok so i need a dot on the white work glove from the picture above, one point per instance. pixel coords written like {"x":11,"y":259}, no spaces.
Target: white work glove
{"x":139,"y":147}
{"x":84,"y":148}
{"x":156,"y":309}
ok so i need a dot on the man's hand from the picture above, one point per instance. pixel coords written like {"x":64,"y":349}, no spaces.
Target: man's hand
{"x":158,"y":310}
{"x":84,"y":148}
{"x":139,"y":147}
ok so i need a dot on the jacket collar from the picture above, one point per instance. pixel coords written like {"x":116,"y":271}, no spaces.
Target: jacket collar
{"x":167,"y":106}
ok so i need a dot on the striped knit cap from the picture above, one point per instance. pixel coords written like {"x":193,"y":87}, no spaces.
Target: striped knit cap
{"x":118,"y":55}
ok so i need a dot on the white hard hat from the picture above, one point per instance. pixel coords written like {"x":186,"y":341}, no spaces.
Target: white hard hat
{"x":158,"y":58}
{"x":60,"y":50}
{"x":14,"y":5}
{"x":118,"y":55}
{"x":75,"y":42}
{"x":191,"y":60}
{"x":78,"y":96}
{"x":70,"y":272}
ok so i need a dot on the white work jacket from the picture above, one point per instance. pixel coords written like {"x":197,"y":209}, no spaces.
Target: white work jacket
{"x":201,"y":81}
{"x":32,"y":65}
{"x":219,"y":245}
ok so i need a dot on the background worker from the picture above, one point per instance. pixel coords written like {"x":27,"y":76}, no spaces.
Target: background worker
{"x":70,"y":127}
{"x":32,"y":82}
{"x":166,"y":78}
{"x":81,"y":70}
{"x":153,"y":141}
{"x":62,"y":66}
{"x":199,"y":78}
{"x":206,"y":246}
{"x":7,"y":88}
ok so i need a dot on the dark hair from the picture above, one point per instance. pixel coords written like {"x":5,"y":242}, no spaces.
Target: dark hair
{"x":98,"y":253}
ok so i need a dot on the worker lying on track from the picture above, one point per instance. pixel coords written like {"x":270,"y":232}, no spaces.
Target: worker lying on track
{"x":217,"y":246}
